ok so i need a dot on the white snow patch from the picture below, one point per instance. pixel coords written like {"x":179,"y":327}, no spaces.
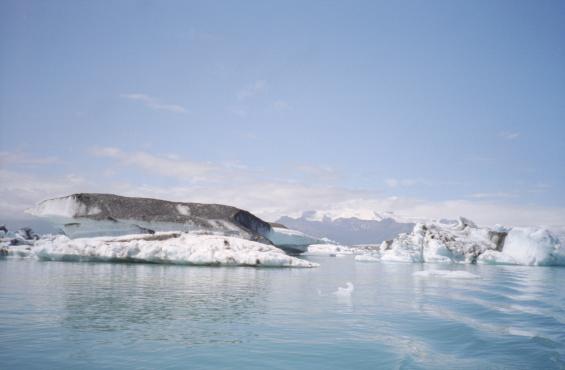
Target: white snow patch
{"x":65,"y":207}
{"x":183,"y":210}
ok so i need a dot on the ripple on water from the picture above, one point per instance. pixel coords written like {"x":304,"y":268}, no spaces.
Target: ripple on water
{"x":95,"y":315}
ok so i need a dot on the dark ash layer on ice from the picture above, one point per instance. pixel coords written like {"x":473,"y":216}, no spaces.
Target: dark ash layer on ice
{"x":90,"y":215}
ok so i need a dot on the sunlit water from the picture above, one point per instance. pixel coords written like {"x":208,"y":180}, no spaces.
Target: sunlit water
{"x":56,"y":315}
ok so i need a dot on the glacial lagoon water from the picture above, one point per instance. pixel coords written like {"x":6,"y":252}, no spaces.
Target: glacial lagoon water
{"x":59,"y":315}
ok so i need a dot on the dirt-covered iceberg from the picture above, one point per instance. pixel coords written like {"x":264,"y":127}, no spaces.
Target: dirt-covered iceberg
{"x":91,"y":215}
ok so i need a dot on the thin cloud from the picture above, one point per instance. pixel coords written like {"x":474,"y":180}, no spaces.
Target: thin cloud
{"x":20,"y":158}
{"x":509,"y":135}
{"x":239,"y":111}
{"x":254,"y":89}
{"x":154,"y":103}
{"x":170,"y":166}
{"x":281,"y":105}
{"x":320,"y":172}
{"x":396,"y":183}
{"x":493,"y":195}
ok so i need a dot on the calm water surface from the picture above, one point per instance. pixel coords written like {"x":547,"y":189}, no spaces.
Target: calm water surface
{"x":57,"y":315}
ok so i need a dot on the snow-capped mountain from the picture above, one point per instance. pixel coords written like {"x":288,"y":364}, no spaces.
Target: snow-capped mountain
{"x":349,"y":226}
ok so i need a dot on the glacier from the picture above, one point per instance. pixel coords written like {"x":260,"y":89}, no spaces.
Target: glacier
{"x":161,"y":247}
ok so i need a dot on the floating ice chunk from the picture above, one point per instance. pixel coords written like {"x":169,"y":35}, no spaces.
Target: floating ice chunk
{"x":171,"y":248}
{"x":496,"y":258}
{"x":447,"y":274}
{"x":367,"y":258}
{"x":345,"y":292}
{"x":527,"y":246}
{"x":533,"y":247}
{"x":440,"y":242}
{"x":327,"y":250}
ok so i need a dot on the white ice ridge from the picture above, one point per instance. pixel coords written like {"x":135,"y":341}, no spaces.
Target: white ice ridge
{"x":173,"y":248}
{"x":446,"y":274}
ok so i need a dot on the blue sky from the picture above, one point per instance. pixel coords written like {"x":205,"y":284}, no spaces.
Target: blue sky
{"x":425,"y":108}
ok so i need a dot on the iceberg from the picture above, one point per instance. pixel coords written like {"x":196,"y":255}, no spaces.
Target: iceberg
{"x":86,"y":215}
{"x":465,"y":242}
{"x":167,"y":248}
{"x":90,"y":215}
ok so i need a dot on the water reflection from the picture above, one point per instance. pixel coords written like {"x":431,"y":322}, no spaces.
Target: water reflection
{"x":174,"y":303}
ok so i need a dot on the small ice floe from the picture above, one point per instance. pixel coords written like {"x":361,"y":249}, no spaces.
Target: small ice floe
{"x":367,"y":258}
{"x":446,"y":274}
{"x":521,"y":332}
{"x":345,"y":292}
{"x":331,"y":250}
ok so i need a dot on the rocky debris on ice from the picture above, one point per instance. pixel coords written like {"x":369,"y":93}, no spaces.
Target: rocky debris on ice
{"x":169,"y":248}
{"x":24,"y":237}
{"x":26,"y":233}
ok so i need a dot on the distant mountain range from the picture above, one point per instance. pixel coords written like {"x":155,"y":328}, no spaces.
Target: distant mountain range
{"x":349,"y":227}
